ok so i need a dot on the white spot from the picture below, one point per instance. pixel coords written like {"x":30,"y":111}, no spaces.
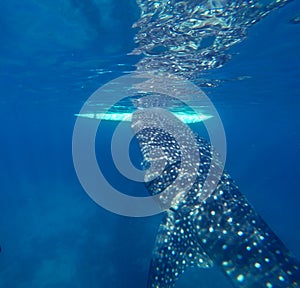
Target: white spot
{"x":212,"y":212}
{"x":257,"y":265}
{"x":211,"y":229}
{"x":240,"y":278}
{"x":240,"y":233}
{"x":229,"y":272}
{"x":229,"y":220}
{"x":224,"y":247}
{"x":267,"y":260}
{"x":269,"y":285}
{"x":281,"y":278}
{"x":225,"y":263}
{"x":248,"y":248}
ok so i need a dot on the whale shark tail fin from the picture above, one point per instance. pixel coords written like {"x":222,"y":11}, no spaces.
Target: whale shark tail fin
{"x":175,"y":250}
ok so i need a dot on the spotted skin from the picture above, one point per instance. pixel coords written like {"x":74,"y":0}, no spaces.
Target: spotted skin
{"x":224,"y":230}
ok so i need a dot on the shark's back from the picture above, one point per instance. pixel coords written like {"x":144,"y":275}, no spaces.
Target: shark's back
{"x":223,"y":230}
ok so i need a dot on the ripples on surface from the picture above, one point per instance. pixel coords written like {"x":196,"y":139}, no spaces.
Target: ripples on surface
{"x":186,"y":38}
{"x":189,"y":37}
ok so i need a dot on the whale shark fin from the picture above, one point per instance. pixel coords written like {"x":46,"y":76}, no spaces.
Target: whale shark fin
{"x":175,"y":250}
{"x":224,"y":229}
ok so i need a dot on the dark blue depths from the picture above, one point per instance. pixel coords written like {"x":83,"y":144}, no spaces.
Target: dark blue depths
{"x":51,"y":233}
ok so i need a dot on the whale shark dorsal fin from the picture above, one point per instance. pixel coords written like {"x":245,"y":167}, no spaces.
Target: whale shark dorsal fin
{"x":175,"y":250}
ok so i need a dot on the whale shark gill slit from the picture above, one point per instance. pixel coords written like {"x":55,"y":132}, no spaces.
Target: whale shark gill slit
{"x":223,"y":230}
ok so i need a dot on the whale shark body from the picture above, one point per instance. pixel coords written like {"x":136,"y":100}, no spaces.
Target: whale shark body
{"x":222,"y":230}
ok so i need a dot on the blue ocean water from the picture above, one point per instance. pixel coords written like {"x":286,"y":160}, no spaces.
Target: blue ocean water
{"x":53,"y":55}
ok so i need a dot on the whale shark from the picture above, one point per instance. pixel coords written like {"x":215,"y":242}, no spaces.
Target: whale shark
{"x":222,"y":230}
